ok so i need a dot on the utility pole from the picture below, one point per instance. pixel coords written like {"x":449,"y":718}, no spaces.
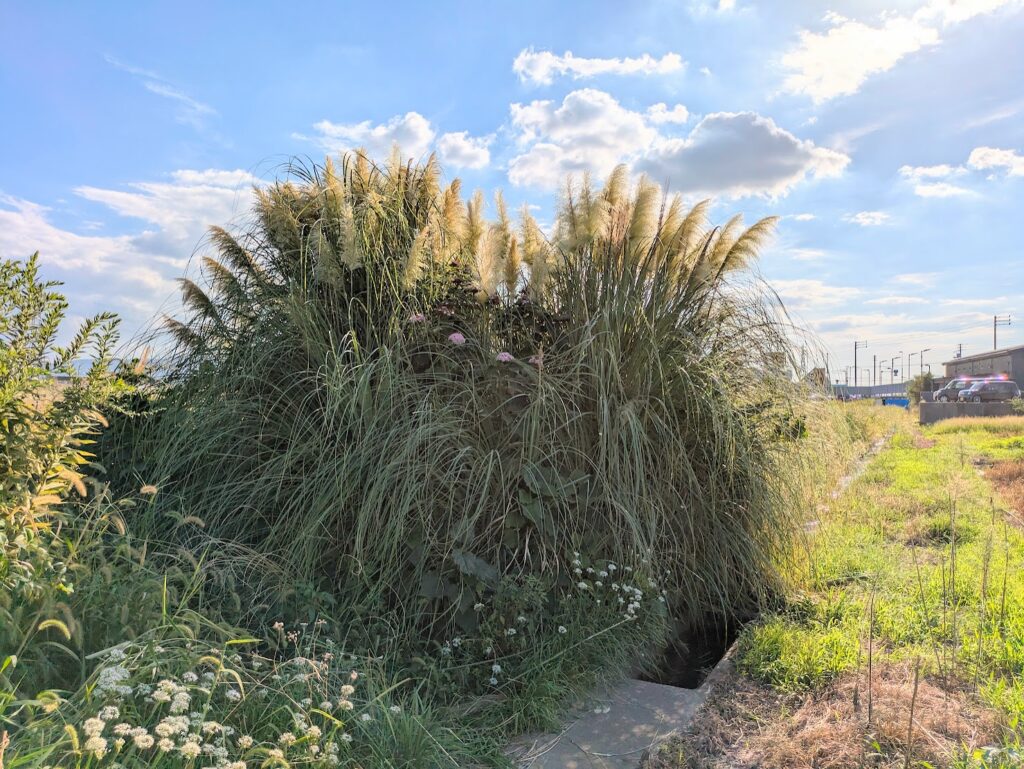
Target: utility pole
{"x":997,"y":321}
{"x":892,"y":366}
{"x":856,"y":346}
{"x":874,"y":370}
{"x":959,"y":351}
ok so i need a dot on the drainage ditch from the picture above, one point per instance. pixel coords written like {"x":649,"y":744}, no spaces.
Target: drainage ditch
{"x":688,"y":660}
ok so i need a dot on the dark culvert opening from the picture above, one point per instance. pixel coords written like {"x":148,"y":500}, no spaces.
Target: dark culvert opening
{"x":688,"y":659}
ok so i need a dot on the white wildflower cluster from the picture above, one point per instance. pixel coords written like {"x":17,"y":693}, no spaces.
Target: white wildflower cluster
{"x":174,"y":693}
{"x":179,"y":725}
{"x":627,"y":596}
{"x":111,"y":681}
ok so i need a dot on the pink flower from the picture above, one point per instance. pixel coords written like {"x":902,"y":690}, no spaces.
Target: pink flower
{"x":456,"y":338}
{"x":537,"y":360}
{"x":417,"y":317}
{"x":505,"y":357}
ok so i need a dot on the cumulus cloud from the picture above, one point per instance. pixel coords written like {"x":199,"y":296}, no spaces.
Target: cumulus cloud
{"x":734,"y":154}
{"x":660,"y":113}
{"x":739,"y":154}
{"x":412,"y":132}
{"x":990,"y":158}
{"x":928,"y":180}
{"x":132,"y":273}
{"x":588,"y":131}
{"x":933,"y":181}
{"x":542,"y":67}
{"x":461,"y":150}
{"x":839,"y":60}
{"x":868,"y":218}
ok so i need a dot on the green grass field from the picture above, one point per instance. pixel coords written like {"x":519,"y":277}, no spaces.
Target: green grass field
{"x":912,"y":597}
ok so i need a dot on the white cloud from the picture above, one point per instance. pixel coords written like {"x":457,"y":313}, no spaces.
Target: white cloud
{"x":807,"y":254}
{"x":461,"y":150}
{"x":984,"y":158}
{"x":803,"y":293}
{"x":706,"y":71}
{"x":131,"y":273}
{"x":589,"y":130}
{"x":412,"y":133}
{"x":838,"y":60}
{"x":660,"y":113}
{"x":868,"y":218}
{"x":191,"y":199}
{"x":897,"y":300}
{"x":932,"y":181}
{"x":734,"y":154}
{"x":994,"y":301}
{"x":739,"y":154}
{"x":943,"y":171}
{"x":949,"y":12}
{"x":703,"y":8}
{"x":804,"y":217}
{"x":542,"y":67}
{"x":922,"y":279}
{"x":941,"y":190}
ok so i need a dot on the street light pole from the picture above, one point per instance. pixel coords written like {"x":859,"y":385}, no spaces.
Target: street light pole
{"x":920,"y":360}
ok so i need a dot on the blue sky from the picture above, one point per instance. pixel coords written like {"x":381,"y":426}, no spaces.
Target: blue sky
{"x":889,"y":136}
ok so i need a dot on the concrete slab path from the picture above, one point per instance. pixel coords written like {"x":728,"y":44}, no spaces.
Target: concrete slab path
{"x":617,"y":732}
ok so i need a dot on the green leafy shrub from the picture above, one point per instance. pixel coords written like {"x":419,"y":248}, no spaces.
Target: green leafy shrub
{"x":46,"y":427}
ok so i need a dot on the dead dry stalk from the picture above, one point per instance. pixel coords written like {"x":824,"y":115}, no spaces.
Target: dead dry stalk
{"x":913,"y":703}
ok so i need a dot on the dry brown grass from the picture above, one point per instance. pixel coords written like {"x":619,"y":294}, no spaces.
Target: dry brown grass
{"x":746,"y":725}
{"x":994,"y":425}
{"x":1008,"y":478}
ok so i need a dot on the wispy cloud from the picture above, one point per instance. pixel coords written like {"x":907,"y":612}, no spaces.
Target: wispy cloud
{"x":868,"y":218}
{"x":189,"y":111}
{"x":897,"y":300}
{"x":922,"y":279}
{"x":132,"y":272}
